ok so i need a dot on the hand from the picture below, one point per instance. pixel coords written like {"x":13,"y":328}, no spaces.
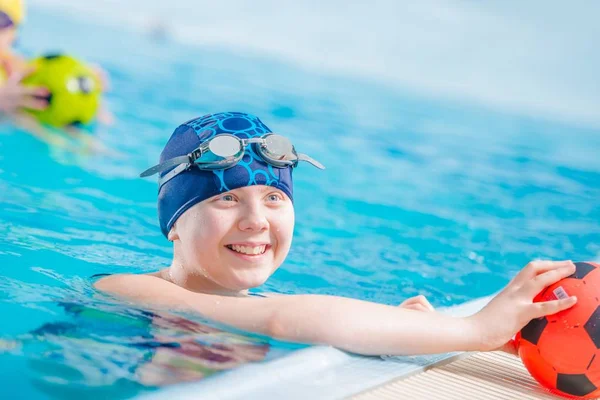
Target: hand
{"x":508,"y":312}
{"x":509,"y":347}
{"x":418,"y":303}
{"x":14,"y":95}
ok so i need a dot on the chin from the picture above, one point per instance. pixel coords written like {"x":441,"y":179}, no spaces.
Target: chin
{"x":249,"y":279}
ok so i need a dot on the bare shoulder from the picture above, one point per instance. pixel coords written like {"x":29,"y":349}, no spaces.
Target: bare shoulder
{"x":240,"y":312}
{"x":128,"y":284}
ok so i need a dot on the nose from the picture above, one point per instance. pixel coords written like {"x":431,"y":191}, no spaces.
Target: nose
{"x":253,"y":219}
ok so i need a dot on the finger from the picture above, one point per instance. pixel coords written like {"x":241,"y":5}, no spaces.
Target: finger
{"x":544,"y":308}
{"x":537,"y":267}
{"x":413,"y":300}
{"x":427,"y":304}
{"x":510,"y":347}
{"x":424,"y":308}
{"x":34,"y":103}
{"x":420,"y":302}
{"x":540,"y":282}
{"x":18,"y":76}
{"x":420,"y":299}
{"x":407,"y":302}
{"x":417,"y":307}
{"x":36,"y":91}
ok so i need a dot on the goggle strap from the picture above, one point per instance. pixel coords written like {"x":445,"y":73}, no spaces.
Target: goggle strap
{"x":171,"y":174}
{"x":183,"y":163}
{"x":165,"y":165}
{"x":310,"y":160}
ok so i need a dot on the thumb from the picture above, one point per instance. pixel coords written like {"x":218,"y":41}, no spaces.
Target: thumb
{"x":18,"y":76}
{"x":510,"y":347}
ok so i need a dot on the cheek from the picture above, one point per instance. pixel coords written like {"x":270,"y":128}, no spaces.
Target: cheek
{"x":284,"y":227}
{"x":214,"y":225}
{"x":207,"y":231}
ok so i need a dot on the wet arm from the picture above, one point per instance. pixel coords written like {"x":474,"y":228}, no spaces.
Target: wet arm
{"x":353,"y":325}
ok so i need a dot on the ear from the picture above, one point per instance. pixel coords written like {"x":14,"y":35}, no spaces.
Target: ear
{"x":173,"y":235}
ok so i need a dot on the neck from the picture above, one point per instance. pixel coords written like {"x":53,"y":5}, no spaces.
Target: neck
{"x":197,"y":282}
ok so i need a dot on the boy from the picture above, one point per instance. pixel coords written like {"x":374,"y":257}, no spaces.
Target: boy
{"x":225,"y":201}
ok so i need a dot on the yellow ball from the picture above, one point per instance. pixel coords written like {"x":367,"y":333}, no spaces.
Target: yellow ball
{"x":75,"y":90}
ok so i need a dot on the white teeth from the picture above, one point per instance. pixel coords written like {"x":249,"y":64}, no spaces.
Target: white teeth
{"x":248,"y":250}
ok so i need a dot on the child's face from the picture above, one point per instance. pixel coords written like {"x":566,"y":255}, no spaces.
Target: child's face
{"x":7,"y":37}
{"x":236,"y":239}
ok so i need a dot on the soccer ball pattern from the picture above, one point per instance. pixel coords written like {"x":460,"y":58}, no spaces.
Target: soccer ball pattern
{"x":562,"y":351}
{"x":75,"y":90}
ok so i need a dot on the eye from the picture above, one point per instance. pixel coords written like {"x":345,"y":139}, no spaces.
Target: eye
{"x":274,"y":197}
{"x":227,"y":197}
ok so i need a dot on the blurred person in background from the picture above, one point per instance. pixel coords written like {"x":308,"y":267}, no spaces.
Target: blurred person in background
{"x":16,"y":96}
{"x":13,"y":68}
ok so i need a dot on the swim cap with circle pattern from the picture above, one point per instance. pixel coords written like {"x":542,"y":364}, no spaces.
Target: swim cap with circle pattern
{"x":194,"y":185}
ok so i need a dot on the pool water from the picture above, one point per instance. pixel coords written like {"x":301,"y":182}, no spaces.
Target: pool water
{"x":420,"y":196}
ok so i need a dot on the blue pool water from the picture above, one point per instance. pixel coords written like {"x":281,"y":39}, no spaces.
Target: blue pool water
{"x":420,"y":196}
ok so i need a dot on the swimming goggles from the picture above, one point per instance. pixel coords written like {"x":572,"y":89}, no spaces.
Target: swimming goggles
{"x":225,"y":151}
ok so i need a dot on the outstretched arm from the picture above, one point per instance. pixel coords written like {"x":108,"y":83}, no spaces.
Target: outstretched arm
{"x":359,"y":326}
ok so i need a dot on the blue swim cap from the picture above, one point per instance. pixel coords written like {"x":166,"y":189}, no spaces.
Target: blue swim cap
{"x":195,"y":185}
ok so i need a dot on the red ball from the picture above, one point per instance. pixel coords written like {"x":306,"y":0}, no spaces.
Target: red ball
{"x":561,"y":351}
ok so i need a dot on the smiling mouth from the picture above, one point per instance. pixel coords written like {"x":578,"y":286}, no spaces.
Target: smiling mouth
{"x":249,"y":250}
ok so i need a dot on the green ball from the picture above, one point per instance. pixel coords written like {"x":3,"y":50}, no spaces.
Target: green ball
{"x":75,"y":90}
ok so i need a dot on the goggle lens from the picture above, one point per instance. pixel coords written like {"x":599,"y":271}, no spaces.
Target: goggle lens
{"x":225,"y":146}
{"x":278,"y":148}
